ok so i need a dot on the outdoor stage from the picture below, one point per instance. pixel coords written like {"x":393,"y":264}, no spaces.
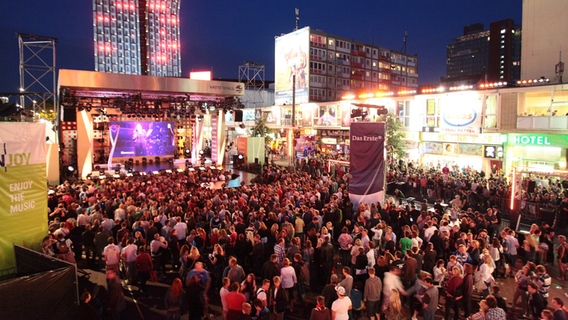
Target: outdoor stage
{"x":238,"y":176}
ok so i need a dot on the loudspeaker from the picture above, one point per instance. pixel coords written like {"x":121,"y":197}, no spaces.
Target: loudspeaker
{"x":69,"y":114}
{"x":238,"y":115}
{"x":531,"y":186}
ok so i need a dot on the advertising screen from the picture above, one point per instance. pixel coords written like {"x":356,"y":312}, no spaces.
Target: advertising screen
{"x":140,"y":139}
{"x":292,"y":58}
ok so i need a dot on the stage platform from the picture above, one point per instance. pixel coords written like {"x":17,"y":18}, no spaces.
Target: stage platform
{"x":239,"y":176}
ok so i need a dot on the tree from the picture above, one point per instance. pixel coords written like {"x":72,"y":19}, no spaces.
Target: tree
{"x":396,"y":147}
{"x":261,"y":130}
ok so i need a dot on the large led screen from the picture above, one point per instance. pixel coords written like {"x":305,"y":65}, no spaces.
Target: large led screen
{"x":292,"y":58}
{"x":141,"y":139}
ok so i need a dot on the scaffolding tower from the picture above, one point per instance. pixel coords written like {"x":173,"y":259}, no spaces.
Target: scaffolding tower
{"x":252,"y":74}
{"x":38,"y":84}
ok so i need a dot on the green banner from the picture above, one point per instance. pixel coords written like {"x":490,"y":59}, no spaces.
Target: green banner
{"x":23,"y":189}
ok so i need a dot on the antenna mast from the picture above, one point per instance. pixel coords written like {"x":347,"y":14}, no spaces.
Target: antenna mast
{"x":297,"y":19}
{"x":559,"y":68}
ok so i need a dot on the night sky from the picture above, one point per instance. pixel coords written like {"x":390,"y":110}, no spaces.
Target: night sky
{"x":222,"y":35}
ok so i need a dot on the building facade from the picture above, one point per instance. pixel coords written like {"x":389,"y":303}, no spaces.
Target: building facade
{"x":545,"y":25}
{"x":327,"y":67}
{"x":138,"y":37}
{"x":484,"y":55}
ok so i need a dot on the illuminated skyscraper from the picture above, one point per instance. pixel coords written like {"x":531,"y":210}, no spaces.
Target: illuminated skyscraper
{"x":137,"y":37}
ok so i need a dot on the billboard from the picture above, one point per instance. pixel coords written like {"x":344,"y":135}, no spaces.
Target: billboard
{"x":23,"y":188}
{"x":292,"y":53}
{"x":461,"y":114}
{"x":367,"y":162}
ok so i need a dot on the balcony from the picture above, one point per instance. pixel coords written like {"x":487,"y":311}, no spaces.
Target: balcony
{"x":358,"y":53}
{"x":357,"y":76}
{"x":314,"y":57}
{"x":316,"y":98}
{"x":316,"y":71}
{"x":543,"y":123}
{"x":317,"y":44}
{"x":356,"y":64}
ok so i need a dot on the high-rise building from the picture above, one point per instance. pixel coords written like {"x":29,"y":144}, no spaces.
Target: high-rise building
{"x":484,"y":55}
{"x":545,"y":43}
{"x":137,"y":37}
{"x":328,"y":67}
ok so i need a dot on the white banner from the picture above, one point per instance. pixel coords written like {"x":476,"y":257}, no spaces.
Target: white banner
{"x":22,"y":143}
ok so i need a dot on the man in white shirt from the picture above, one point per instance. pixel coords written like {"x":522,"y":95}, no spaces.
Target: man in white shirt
{"x":340,"y":307}
{"x":129,"y":257}
{"x":181,"y":228}
{"x":429,"y":232}
{"x":261,"y":292}
{"x":111,"y":254}
{"x":223,"y":294}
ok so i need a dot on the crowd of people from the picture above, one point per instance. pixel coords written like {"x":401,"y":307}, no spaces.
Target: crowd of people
{"x":260,"y":248}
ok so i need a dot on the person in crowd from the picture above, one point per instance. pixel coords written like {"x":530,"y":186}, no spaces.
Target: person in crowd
{"x":173,"y":301}
{"x":116,"y":304}
{"x":289,"y":280}
{"x":328,"y":291}
{"x":394,"y":309}
{"x":537,"y":303}
{"x":430,"y":299}
{"x":279,"y":298}
{"x":454,"y":294}
{"x":372,"y":295}
{"x":320,"y":312}
{"x":559,"y":313}
{"x":341,"y":306}
{"x":562,"y":257}
{"x":223,"y":295}
{"x":143,"y":265}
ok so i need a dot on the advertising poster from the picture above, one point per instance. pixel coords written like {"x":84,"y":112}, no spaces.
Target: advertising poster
{"x":460,"y":115}
{"x":367,"y":165}
{"x":23,"y":188}
{"x":292,"y":53}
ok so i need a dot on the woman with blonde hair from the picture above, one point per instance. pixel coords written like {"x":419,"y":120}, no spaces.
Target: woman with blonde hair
{"x":394,"y":309}
{"x":289,"y":280}
{"x":485,"y":273}
{"x":325,"y":233}
{"x":483,"y":308}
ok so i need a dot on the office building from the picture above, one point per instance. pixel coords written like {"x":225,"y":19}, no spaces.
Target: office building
{"x":481,"y":55}
{"x":137,"y":37}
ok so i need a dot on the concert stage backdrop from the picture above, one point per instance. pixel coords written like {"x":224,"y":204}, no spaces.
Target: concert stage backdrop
{"x":367,"y":164}
{"x":141,"y":139}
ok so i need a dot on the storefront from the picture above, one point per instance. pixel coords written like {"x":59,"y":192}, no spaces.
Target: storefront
{"x":412,"y":142}
{"x":478,"y":152}
{"x":535,"y":149}
{"x":334,"y":142}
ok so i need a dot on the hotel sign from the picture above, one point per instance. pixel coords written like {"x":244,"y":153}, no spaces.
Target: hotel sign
{"x":556,"y":140}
